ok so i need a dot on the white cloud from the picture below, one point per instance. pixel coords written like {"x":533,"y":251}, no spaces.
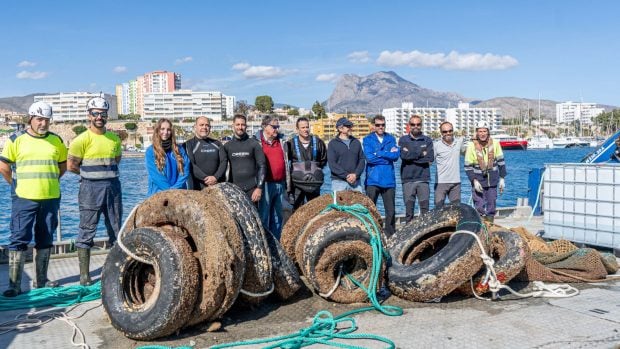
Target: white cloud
{"x":34,"y":75}
{"x":120,"y":69}
{"x":183,"y":60}
{"x":326,"y":77}
{"x":261,"y":71}
{"x":241,"y":66}
{"x":359,"y":57}
{"x":26,"y":64}
{"x":452,"y":61}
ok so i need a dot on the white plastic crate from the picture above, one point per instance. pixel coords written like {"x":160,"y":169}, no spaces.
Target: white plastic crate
{"x":581,"y":203}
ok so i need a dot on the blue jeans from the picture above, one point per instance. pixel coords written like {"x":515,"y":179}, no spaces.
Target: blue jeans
{"x":42,"y":215}
{"x":96,"y":197}
{"x":270,"y":207}
{"x":340,"y":185}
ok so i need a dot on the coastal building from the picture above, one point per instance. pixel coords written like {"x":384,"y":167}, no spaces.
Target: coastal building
{"x":72,"y":106}
{"x":570,"y":111}
{"x":186,"y":104}
{"x":326,"y":128}
{"x":464,"y":118}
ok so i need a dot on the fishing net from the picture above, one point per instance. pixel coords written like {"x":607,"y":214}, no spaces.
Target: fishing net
{"x":562,"y":261}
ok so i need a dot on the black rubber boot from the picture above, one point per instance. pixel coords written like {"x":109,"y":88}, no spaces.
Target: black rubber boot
{"x":84,"y":259}
{"x":16,"y":268}
{"x":41,"y":260}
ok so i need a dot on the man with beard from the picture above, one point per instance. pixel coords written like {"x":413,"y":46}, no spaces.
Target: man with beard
{"x":247,"y":160}
{"x":416,"y":151}
{"x":208,"y":168}
{"x":39,"y":157}
{"x":447,"y":157}
{"x":95,"y":155}
{"x":308,"y":156}
{"x":486,"y":169}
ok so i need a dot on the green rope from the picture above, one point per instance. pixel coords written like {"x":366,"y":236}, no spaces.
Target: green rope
{"x":324,"y":330}
{"x":52,"y":297}
{"x":325,"y":327}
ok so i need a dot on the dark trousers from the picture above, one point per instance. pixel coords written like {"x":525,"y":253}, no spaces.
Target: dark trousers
{"x":485,"y":201}
{"x":451,"y":190}
{"x":388,"y":195}
{"x":96,"y":197}
{"x":301,"y":197}
{"x":28,"y":215}
{"x":411,"y":191}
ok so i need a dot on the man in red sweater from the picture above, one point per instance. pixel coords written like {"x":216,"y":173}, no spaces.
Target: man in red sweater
{"x":276,"y":181}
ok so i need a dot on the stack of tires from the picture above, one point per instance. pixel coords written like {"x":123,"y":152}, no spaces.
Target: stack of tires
{"x":429,"y":261}
{"x":204,"y":249}
{"x":331,"y":246}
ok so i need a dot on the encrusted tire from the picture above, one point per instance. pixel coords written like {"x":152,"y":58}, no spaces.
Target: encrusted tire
{"x":258,"y":277}
{"x":150,"y":301}
{"x":427,"y":261}
{"x":215,"y":240}
{"x":509,"y":252}
{"x":285,"y":275}
{"x":294,"y":227}
{"x":339,"y":246}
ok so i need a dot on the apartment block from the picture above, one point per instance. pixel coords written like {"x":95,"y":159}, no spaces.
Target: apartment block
{"x":463,"y":118}
{"x":326,"y":128}
{"x":183,"y":104}
{"x":570,"y":111}
{"x":72,"y":106}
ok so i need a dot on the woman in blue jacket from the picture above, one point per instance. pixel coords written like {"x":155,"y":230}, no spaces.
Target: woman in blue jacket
{"x":167,"y":163}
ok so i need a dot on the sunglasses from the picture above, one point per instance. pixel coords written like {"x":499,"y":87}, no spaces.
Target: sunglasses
{"x":447,"y":131}
{"x":412,"y":124}
{"x":379,"y":125}
{"x":275,"y":127}
{"x":103,"y":114}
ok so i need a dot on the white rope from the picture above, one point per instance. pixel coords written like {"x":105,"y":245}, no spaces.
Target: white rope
{"x":540,"y":289}
{"x":336,"y":284}
{"x":36,"y":319}
{"x":119,"y":239}
{"x":255,"y":295}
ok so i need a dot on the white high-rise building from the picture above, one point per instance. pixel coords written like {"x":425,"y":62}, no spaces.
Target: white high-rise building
{"x":230,"y":106}
{"x":463,"y":118}
{"x":570,"y":111}
{"x":183,"y":104}
{"x":72,"y":106}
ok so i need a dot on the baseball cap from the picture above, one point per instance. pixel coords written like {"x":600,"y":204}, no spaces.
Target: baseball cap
{"x":343,"y":122}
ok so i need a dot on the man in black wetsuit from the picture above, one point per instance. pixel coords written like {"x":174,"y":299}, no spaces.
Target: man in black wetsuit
{"x":247,"y":160}
{"x":208,"y":168}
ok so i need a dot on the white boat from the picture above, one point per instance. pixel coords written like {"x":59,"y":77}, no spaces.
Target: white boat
{"x":540,"y":141}
{"x":569,"y":142}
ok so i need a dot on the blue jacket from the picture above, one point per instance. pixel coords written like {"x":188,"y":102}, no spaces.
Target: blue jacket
{"x":343,"y":160}
{"x":416,"y":166}
{"x":380,"y":160}
{"x":169,"y":178}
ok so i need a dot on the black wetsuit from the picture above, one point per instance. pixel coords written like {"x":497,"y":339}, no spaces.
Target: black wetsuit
{"x":247,"y":162}
{"x":204,"y":155}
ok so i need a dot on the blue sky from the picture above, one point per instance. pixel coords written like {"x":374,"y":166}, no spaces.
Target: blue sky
{"x":295,"y":51}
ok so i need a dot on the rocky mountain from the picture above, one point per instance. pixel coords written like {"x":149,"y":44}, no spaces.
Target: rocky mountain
{"x":370,"y":94}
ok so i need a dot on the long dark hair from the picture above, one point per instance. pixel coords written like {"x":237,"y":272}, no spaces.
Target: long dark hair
{"x":160,"y":153}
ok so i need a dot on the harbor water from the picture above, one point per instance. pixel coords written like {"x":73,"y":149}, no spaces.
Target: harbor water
{"x":134,"y":184}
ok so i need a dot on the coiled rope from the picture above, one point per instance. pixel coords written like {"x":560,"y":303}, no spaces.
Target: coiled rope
{"x":52,"y":297}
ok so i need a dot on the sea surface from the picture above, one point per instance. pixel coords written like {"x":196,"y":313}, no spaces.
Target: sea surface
{"x":134,"y":184}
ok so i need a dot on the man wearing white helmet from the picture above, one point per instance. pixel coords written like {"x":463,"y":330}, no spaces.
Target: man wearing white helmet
{"x":39,"y":158}
{"x":95,"y":155}
{"x":486,"y":169}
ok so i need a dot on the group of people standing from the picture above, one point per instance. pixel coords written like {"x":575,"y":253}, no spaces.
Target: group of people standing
{"x":265,"y":166}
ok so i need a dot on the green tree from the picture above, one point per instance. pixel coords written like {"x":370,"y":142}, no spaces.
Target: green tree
{"x":286,"y":107}
{"x":264,"y":104}
{"x":294,"y":112}
{"x":318,"y":110}
{"x":131,"y":126}
{"x":78,"y":129}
